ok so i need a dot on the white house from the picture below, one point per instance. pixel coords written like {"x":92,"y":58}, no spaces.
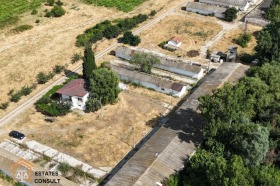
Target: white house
{"x":175,"y":41}
{"x":149,"y":81}
{"x":242,"y":5}
{"x":75,"y":92}
{"x":206,"y":9}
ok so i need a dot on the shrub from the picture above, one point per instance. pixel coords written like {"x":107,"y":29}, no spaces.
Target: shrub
{"x":15,"y":97}
{"x":92,"y":105}
{"x":50,"y":2}
{"x":4,"y":106}
{"x":42,"y":78}
{"x":243,"y":39}
{"x":64,"y":168}
{"x":161,"y":45}
{"x":76,"y":57}
{"x":26,"y":90}
{"x":58,"y":69}
{"x":153,"y":13}
{"x":112,"y":32}
{"x":58,"y":11}
{"x":22,"y":28}
{"x":59,"y":3}
{"x":37,"y":21}
{"x":34,"y":11}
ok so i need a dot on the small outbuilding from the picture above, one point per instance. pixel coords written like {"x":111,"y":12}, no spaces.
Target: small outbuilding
{"x":76,"y":93}
{"x":124,"y":52}
{"x":242,"y":5}
{"x":175,"y":41}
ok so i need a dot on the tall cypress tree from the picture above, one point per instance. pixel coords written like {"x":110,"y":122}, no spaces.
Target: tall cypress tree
{"x":88,"y":62}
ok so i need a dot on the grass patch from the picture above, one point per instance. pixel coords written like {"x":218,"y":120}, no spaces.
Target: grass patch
{"x":22,"y":28}
{"x":9,"y":10}
{"x":123,"y":5}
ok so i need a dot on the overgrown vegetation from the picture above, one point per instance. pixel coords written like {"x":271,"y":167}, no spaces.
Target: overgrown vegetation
{"x":130,"y":39}
{"x":10,"y":179}
{"x":244,"y":39}
{"x":56,"y":11}
{"x":231,"y":14}
{"x":145,"y":61}
{"x":72,"y":173}
{"x":273,"y":13}
{"x":241,"y":139}
{"x":125,"y":6}
{"x":51,"y":105}
{"x":109,"y":29}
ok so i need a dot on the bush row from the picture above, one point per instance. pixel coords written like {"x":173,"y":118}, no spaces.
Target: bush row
{"x":42,"y":78}
{"x":109,"y":29}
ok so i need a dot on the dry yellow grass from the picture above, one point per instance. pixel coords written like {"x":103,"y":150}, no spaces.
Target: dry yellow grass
{"x":102,"y":138}
{"x":228,"y":40}
{"x":192,"y":31}
{"x":52,"y":42}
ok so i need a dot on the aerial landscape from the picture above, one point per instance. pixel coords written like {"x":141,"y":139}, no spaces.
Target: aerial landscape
{"x":139,"y":92}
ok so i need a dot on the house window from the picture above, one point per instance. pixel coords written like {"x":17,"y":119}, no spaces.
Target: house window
{"x":80,"y":99}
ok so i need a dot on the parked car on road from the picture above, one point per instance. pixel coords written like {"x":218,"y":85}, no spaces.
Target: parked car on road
{"x":16,"y":134}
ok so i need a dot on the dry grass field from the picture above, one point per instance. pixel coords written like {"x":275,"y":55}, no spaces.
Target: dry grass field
{"x":102,"y":138}
{"x":228,"y":40}
{"x":52,"y":42}
{"x":192,"y":30}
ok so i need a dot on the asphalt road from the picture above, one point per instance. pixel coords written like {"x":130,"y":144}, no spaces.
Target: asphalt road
{"x":28,"y":103}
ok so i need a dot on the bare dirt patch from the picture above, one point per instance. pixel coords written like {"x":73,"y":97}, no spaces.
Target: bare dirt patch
{"x":228,"y":40}
{"x":192,"y":32}
{"x":101,"y":138}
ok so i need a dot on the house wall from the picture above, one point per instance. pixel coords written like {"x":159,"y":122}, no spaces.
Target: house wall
{"x":155,"y":87}
{"x":75,"y":103}
{"x":181,"y":72}
{"x":205,"y":12}
{"x":174,"y":43}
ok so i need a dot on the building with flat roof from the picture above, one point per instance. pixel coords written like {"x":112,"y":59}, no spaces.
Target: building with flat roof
{"x":206,"y":9}
{"x":242,"y":5}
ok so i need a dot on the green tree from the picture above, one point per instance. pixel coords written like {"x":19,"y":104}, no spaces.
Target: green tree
{"x":145,"y":61}
{"x":243,"y":39}
{"x":112,"y":32}
{"x":88,"y":62}
{"x":231,"y":14}
{"x":268,"y":43}
{"x":129,"y":38}
{"x":104,"y":85}
{"x":50,"y":2}
{"x":93,"y":105}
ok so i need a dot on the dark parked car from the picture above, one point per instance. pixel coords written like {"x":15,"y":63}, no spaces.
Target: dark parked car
{"x":16,"y":134}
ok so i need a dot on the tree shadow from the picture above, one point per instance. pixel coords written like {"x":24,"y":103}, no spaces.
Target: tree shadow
{"x":69,"y":73}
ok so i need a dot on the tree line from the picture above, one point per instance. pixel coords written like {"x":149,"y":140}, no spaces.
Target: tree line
{"x":242,"y":138}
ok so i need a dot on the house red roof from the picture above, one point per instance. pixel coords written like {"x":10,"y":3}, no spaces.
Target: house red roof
{"x":175,"y":39}
{"x":76,"y":87}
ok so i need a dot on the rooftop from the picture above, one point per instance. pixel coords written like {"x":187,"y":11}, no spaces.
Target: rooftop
{"x":164,"y":83}
{"x":76,"y":87}
{"x":175,"y":39}
{"x":239,"y":3}
{"x":202,"y":6}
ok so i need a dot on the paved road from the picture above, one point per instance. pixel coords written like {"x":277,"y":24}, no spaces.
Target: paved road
{"x":25,"y":105}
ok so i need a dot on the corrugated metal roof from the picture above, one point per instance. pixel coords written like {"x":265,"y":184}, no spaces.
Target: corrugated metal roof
{"x":240,"y":3}
{"x":142,"y":77}
{"x":172,"y":144}
{"x":206,"y":7}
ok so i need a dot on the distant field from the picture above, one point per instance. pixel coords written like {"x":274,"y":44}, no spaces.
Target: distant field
{"x":124,"y":5}
{"x":10,"y":9}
